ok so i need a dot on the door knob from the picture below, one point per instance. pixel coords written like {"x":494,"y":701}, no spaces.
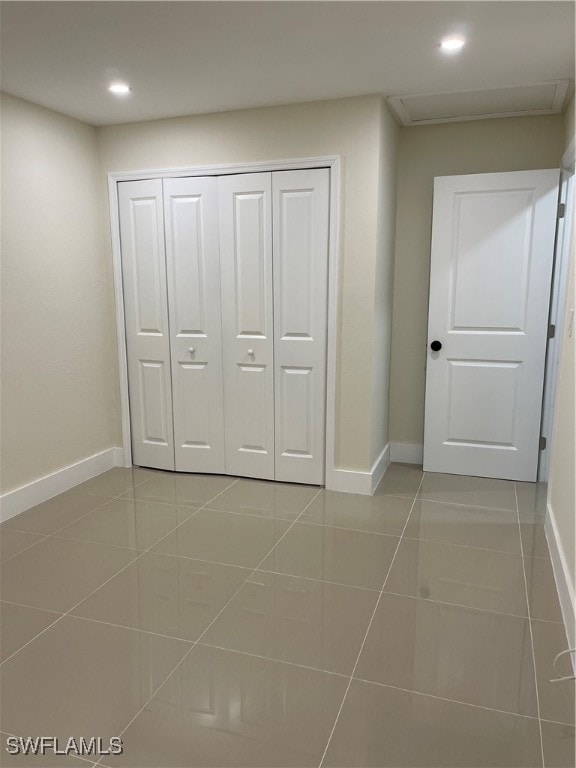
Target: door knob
{"x":251,"y":353}
{"x":192,"y":350}
{"x":436,"y":346}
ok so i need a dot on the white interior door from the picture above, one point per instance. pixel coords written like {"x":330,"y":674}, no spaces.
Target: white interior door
{"x":146,"y":314}
{"x":245,"y":213}
{"x":300,"y":260}
{"x":193,"y":274}
{"x":491,"y":265}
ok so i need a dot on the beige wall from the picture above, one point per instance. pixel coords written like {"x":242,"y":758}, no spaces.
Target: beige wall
{"x":569,"y":120}
{"x":482,"y":146}
{"x":58,"y":376}
{"x":350,"y":128}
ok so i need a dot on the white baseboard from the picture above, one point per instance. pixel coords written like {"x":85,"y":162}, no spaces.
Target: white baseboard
{"x":564,"y":583}
{"x":21,"y":499}
{"x":407,"y":453}
{"x":356,"y":481}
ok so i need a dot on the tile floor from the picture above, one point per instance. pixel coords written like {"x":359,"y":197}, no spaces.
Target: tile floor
{"x":211,"y":621}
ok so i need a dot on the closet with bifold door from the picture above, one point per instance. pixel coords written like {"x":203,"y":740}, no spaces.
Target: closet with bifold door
{"x":225,"y":282}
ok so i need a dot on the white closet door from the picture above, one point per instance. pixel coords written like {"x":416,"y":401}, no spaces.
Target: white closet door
{"x":245,"y":212}
{"x":193,"y":271}
{"x":300,"y":205}
{"x":146,"y":311}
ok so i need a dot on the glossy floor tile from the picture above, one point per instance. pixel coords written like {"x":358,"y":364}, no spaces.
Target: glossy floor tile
{"x":556,"y":699}
{"x":400,"y":480}
{"x":127,"y":523}
{"x":473,"y":491}
{"x":541,"y":585}
{"x":478,"y":578}
{"x":467,"y":526}
{"x":464,"y":654}
{"x":387,"y":728}
{"x":224,"y":537}
{"x":116,"y":481}
{"x":53,"y":514}
{"x":56,"y":573}
{"x":220,"y":622}
{"x":175,"y":488}
{"x":306,"y":622}
{"x":13,"y":542}
{"x":534,"y":542}
{"x":265,"y":498}
{"x":82,"y":678}
{"x":228,"y":709}
{"x":373,"y":514}
{"x":354,"y":558}
{"x":559,"y":743}
{"x":20,"y":624}
{"x":172,"y":596}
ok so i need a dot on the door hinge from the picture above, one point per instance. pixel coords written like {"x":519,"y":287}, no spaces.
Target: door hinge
{"x":542,"y":443}
{"x":551,"y":331}
{"x":561,"y":210}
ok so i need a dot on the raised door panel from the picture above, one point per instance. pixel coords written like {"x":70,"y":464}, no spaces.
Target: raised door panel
{"x":146,"y":317}
{"x":492,"y":254}
{"x":300,"y":219}
{"x":247,"y":323}
{"x":191,"y":216}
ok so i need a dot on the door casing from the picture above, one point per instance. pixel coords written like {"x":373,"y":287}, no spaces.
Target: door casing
{"x":330,"y":161}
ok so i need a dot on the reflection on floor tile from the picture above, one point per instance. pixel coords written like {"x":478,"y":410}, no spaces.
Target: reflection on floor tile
{"x":19,"y":624}
{"x":115,"y":482}
{"x":559,"y":742}
{"x":299,"y":620}
{"x":215,"y":622}
{"x":13,"y":542}
{"x":534,"y":542}
{"x":478,"y":578}
{"x":224,"y":537}
{"x":82,"y":678}
{"x":473,"y":491}
{"x":333,"y":554}
{"x":542,"y":594}
{"x":472,"y":656}
{"x":229,"y":709}
{"x":55,"y":574}
{"x":374,"y":514}
{"x":400,"y":480}
{"x":556,"y":699}
{"x":468,"y":526}
{"x":265,"y":498}
{"x":175,"y":488}
{"x":384,"y":727}
{"x":172,"y":596}
{"x":126,"y":523}
{"x":53,"y":514}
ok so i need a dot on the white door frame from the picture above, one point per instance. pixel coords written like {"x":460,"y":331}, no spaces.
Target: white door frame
{"x":330,"y":161}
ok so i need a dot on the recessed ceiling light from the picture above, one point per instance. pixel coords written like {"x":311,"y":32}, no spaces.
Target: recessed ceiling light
{"x":452,"y":44}
{"x":120,"y":89}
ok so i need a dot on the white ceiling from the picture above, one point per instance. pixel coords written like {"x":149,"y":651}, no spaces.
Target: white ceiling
{"x":186,"y":58}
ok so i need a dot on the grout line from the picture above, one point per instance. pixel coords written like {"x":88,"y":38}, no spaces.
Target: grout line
{"x":464,"y":546}
{"x":311,"y":578}
{"x":133,"y":629}
{"x":444,"y":698}
{"x":530,"y":628}
{"x":467,"y":506}
{"x":369,"y":627}
{"x":215,"y":618}
{"x":116,"y":573}
{"x":275,"y":661}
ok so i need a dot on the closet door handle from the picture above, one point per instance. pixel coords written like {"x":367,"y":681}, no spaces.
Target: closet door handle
{"x":192,"y":350}
{"x":251,"y":353}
